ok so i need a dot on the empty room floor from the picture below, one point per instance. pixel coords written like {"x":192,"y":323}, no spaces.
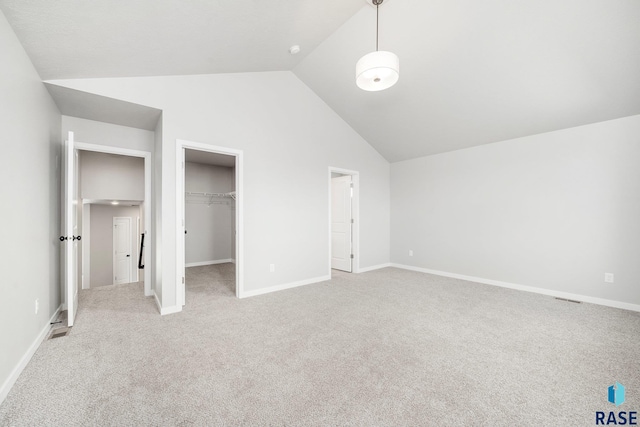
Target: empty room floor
{"x":388,"y":347}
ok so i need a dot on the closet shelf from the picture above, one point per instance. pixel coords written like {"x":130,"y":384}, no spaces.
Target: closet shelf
{"x":206,"y":202}
{"x":231,"y":194}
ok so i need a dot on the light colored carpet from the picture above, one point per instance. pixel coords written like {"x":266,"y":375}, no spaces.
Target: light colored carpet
{"x":388,"y":347}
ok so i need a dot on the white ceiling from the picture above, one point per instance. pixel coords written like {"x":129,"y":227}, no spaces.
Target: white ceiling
{"x":474,"y":72}
{"x":470,"y":72}
{"x":89,"y":106}
{"x":105,"y":38}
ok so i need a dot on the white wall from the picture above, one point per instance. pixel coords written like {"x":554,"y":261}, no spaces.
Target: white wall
{"x":553,"y":211}
{"x":30,"y":183}
{"x":209,"y":227}
{"x":289,"y":138}
{"x":100,"y":133}
{"x":101,"y":246}
{"x":111,"y":176}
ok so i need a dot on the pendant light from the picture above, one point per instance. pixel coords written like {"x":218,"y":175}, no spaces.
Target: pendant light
{"x":377,"y":70}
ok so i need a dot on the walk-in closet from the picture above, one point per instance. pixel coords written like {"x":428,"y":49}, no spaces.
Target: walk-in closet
{"x":210,"y":195}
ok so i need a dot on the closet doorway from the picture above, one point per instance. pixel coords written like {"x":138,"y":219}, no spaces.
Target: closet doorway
{"x":208,"y":237}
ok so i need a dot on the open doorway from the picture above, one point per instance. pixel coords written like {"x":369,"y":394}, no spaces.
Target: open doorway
{"x":343,"y":220}
{"x":112,"y":251}
{"x":209,"y":212}
{"x":113,"y":218}
{"x":77,"y":199}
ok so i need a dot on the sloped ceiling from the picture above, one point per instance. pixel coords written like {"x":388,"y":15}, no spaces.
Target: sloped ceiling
{"x":90,"y":106}
{"x":106,"y":38}
{"x":478,"y":72}
{"x":471,"y":72}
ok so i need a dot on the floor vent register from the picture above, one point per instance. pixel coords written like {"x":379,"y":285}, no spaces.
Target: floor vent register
{"x":59,"y":332}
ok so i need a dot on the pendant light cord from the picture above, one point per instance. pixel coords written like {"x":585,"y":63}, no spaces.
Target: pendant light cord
{"x":377,"y":15}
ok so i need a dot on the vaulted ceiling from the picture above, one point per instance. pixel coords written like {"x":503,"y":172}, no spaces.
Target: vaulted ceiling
{"x":105,"y":38}
{"x":470,"y":72}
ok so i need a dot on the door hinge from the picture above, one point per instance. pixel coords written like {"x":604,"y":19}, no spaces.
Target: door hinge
{"x":351,"y":256}
{"x":352,"y":221}
{"x":183,"y":280}
{"x":351,"y":184}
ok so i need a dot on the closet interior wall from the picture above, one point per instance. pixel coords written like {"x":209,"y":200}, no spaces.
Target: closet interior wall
{"x":209,"y":214}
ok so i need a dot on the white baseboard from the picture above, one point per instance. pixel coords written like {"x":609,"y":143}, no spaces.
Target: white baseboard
{"x":13,"y":377}
{"x":374,"y":267}
{"x":155,"y":297}
{"x":166,"y":310}
{"x":247,"y":294}
{"x":171,"y":310}
{"x":217,"y":261}
{"x":558,"y":294}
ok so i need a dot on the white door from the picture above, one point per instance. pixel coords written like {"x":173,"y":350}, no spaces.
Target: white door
{"x":341,"y":223}
{"x":121,"y":250}
{"x":70,"y":237}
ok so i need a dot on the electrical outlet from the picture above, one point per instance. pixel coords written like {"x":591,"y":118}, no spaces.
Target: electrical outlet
{"x":410,"y":252}
{"x":608,"y":277}
{"x":272,"y":268}
{"x":37,"y":306}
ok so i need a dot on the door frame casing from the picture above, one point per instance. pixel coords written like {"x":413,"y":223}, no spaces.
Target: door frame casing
{"x":355,"y":214}
{"x":181,"y":145}
{"x":146,"y":155}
